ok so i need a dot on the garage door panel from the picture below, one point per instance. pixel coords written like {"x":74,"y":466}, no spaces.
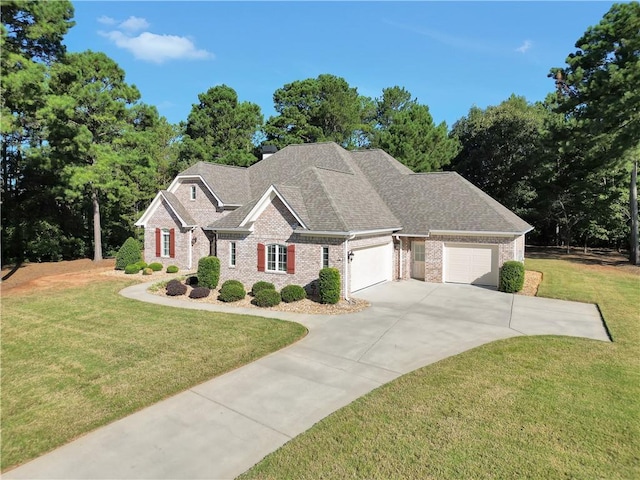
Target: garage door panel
{"x":371,"y":265}
{"x":474,"y":263}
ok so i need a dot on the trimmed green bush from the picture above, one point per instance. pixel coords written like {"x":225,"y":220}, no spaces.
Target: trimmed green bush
{"x":231,"y":292}
{"x":172,"y":269}
{"x":147,"y":271}
{"x":267,"y":298}
{"x":175,"y":288}
{"x":199,"y":292}
{"x":293,"y":293}
{"x":259,"y":286}
{"x":129,"y":253}
{"x":155,"y":266}
{"x":511,"y":276}
{"x":141,"y":265}
{"x":329,"y":285}
{"x":232,"y":282}
{"x":131,"y":269}
{"x":209,"y":272}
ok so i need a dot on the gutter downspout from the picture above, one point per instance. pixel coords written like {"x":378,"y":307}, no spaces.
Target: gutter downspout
{"x":400,"y":255}
{"x":347,"y":286}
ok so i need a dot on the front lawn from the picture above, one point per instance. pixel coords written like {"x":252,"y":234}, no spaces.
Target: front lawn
{"x":76,"y":359}
{"x":527,"y":407}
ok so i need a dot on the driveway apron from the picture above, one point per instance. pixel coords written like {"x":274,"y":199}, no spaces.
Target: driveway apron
{"x":219,"y":429}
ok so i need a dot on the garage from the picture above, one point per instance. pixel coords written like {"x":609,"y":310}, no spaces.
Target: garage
{"x":476,"y":264}
{"x":371,"y":265}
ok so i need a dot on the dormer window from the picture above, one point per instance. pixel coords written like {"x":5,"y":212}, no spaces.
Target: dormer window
{"x":193,"y":192}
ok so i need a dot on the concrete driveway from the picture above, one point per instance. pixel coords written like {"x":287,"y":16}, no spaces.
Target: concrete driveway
{"x":221,"y":428}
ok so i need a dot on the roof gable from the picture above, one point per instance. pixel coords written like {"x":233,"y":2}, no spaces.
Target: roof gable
{"x":174,"y":205}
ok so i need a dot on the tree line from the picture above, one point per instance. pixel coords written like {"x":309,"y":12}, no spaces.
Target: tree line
{"x":82,"y":157}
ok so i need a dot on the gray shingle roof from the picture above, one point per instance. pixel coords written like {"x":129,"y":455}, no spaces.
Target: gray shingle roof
{"x":331,"y":189}
{"x":230,"y":184}
{"x":178,"y":207}
{"x":435,"y":201}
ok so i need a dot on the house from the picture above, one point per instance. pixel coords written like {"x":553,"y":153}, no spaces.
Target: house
{"x":310,"y":206}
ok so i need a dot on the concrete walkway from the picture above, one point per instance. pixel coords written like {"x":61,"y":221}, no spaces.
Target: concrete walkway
{"x":221,"y":428}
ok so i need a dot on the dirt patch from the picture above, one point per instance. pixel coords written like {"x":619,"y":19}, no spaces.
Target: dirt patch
{"x":52,"y":275}
{"x":531,"y":283}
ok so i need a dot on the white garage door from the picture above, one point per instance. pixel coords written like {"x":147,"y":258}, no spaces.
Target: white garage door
{"x":471,"y":263}
{"x":371,"y":265}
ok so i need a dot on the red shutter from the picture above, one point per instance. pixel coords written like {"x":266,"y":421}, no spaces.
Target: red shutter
{"x":261,"y":257}
{"x":291,"y":259}
{"x":158,"y":242}
{"x":172,"y":243}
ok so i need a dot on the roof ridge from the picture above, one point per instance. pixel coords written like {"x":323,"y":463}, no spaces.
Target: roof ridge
{"x":331,"y":200}
{"x":333,"y":170}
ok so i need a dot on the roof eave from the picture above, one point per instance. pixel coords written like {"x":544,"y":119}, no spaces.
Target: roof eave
{"x":478,"y":233}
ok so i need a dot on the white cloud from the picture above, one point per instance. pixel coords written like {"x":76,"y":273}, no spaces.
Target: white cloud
{"x":107,"y":20}
{"x":526,"y":45}
{"x":157,"y":48}
{"x":134,"y":24}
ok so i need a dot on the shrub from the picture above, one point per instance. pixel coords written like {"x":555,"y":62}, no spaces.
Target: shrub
{"x":128,"y":254}
{"x":155,"y":266}
{"x":141,"y":265}
{"x":232,"y":282}
{"x":175,"y":288}
{"x":131,"y":269}
{"x":259,"y":286}
{"x":231,"y":292}
{"x":208,"y":272}
{"x":267,"y":298}
{"x":192,"y":280}
{"x":147,"y":271}
{"x":511,"y":276}
{"x":172,"y":269}
{"x":329,"y":285}
{"x":293,"y":293}
{"x":199,"y":292}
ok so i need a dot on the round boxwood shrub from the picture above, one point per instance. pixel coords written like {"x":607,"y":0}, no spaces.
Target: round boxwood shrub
{"x":131,"y":269}
{"x":259,"y":286}
{"x":141,"y":265}
{"x":175,"y":288}
{"x":267,"y":298}
{"x":293,"y":293}
{"x":199,"y":292}
{"x":172,"y":269}
{"x":147,"y":271}
{"x":511,"y":276}
{"x":232,"y":282}
{"x":129,"y":253}
{"x":329,"y":285}
{"x":155,"y":266}
{"x":208,"y":272}
{"x":231,"y":292}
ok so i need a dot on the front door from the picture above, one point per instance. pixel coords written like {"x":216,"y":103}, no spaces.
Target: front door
{"x":417,"y":266}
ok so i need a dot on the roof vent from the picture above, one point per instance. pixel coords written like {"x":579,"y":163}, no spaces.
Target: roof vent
{"x":268,"y":150}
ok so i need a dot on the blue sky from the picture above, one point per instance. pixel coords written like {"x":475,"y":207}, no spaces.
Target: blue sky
{"x":450,"y":55}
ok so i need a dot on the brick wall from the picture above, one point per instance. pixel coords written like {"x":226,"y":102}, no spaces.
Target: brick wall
{"x":275,"y":226}
{"x":204,"y":208}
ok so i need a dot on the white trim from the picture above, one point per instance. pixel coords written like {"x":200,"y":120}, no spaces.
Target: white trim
{"x":148,"y":213}
{"x":176,"y":181}
{"x":193,"y":192}
{"x":165,"y":232}
{"x":233,"y":254}
{"x":465,"y":233}
{"x":263,"y":203}
{"x":322,"y":247}
{"x":190,"y":249}
{"x":330,"y":233}
{"x":280,"y":247}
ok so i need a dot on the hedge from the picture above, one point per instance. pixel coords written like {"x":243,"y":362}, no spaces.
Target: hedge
{"x":172,"y":269}
{"x":128,"y":254}
{"x":231,"y":292}
{"x":293,"y":293}
{"x":259,"y":286}
{"x":511,"y":276}
{"x":209,"y":272}
{"x":329,"y":285}
{"x":267,"y":298}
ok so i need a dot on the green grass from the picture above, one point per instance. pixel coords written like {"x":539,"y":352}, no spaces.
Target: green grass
{"x":76,"y":359}
{"x":528,"y":407}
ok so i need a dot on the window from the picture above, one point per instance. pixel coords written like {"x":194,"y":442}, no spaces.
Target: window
{"x":325,"y":257}
{"x":166,"y":243}
{"x":276,"y":258}
{"x":232,"y":254}
{"x":193,"y":192}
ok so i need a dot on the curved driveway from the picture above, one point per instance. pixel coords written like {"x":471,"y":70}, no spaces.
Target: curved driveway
{"x":222,"y":427}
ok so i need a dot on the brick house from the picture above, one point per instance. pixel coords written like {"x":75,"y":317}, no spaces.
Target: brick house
{"x":314,"y":205}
